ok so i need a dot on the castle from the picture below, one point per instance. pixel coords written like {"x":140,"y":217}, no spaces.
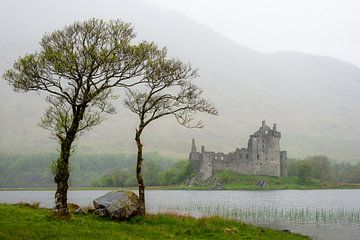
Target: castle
{"x":261,"y":157}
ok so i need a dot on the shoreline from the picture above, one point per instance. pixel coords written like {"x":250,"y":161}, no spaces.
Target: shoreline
{"x":185,"y":188}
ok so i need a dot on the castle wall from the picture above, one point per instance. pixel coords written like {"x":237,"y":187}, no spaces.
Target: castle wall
{"x":271,"y":155}
{"x":237,"y":161}
{"x":261,"y":157}
{"x":195,"y":160}
{"x":283,"y":163}
{"x":206,"y":165}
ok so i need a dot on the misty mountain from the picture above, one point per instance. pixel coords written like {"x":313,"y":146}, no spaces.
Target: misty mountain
{"x":314,"y":99}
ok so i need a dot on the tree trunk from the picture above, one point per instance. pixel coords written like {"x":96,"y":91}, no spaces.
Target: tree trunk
{"x":139,"y":176}
{"x":62,"y":167}
{"x":61,"y":178}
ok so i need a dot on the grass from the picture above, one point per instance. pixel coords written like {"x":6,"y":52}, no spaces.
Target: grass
{"x":29,"y":222}
{"x":248,"y":182}
{"x":235,"y":181}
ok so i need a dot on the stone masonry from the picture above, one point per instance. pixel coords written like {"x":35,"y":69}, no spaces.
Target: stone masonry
{"x":261,"y":157}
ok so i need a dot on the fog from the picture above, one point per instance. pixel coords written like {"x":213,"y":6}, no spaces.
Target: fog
{"x":323,"y":27}
{"x":236,"y":46}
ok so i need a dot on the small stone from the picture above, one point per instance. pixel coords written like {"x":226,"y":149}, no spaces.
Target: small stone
{"x":72,"y":207}
{"x":79,"y":211}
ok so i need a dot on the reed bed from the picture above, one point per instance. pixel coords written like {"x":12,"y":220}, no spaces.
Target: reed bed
{"x":269,"y":214}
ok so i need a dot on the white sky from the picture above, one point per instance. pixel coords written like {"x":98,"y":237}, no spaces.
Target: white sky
{"x":322,"y":27}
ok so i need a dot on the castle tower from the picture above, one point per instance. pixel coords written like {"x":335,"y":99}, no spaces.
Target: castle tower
{"x":194,"y":157}
{"x":264,"y":150}
{"x":193,"y":146}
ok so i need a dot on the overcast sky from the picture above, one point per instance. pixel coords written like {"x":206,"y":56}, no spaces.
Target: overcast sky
{"x":323,"y":27}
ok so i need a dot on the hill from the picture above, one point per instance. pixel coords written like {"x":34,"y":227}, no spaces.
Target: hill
{"x":313,"y":99}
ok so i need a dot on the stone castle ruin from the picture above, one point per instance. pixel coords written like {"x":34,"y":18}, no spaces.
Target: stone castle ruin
{"x":261,"y":157}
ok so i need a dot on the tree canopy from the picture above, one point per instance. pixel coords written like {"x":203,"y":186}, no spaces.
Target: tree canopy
{"x":77,"y":67}
{"x":168,"y":90}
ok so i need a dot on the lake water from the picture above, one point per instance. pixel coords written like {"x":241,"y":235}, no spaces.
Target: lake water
{"x":321,"y":214}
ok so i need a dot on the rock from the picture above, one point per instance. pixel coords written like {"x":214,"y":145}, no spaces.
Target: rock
{"x":79,"y":211}
{"x":101,"y":212}
{"x":212,"y":182}
{"x":119,"y":205}
{"x":73,"y":207}
{"x":261,"y":183}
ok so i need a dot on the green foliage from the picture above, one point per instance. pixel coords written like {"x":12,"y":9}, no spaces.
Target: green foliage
{"x":347,"y":173}
{"x":15,"y":221}
{"x":31,"y":171}
{"x":156,"y":173}
{"x":181,"y":172}
{"x":304,"y":174}
{"x":322,"y":168}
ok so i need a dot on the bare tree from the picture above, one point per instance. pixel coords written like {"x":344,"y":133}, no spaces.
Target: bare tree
{"x":168,"y":91}
{"x":77,"y":67}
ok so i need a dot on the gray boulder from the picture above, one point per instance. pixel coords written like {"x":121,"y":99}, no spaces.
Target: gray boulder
{"x":119,"y":205}
{"x":262,"y":183}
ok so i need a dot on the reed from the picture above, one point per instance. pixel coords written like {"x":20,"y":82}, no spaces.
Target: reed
{"x":269,"y":214}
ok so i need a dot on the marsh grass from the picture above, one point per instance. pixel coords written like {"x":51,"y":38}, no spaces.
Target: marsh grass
{"x":270,"y":214}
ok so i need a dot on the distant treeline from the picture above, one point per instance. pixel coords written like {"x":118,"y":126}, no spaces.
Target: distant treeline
{"x":108,"y":170}
{"x":320,"y":167}
{"x":118,"y":170}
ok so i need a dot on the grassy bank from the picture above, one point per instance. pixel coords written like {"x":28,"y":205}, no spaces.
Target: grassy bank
{"x":248,"y":182}
{"x":20,"y":222}
{"x":234,"y":181}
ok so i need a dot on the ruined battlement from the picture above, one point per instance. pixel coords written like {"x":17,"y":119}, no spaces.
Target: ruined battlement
{"x":261,"y":157}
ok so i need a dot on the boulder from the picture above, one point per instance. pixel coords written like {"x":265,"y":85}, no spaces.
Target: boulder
{"x":261,"y":183}
{"x":118,"y":205}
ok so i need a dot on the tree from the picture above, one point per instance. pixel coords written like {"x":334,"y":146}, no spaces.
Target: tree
{"x":320,"y":167}
{"x":177,"y":174}
{"x":304,"y":174}
{"x":77,"y":67}
{"x":168,"y":91}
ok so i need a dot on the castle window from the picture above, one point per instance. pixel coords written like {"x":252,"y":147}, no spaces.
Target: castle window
{"x":261,"y":164}
{"x":247,"y":155}
{"x":257,"y":156}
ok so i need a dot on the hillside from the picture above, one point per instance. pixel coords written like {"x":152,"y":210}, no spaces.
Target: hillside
{"x":313,"y":99}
